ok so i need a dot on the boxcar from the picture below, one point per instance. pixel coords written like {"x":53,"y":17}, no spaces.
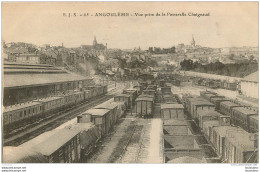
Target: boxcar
{"x":202,"y":93}
{"x":189,"y":100}
{"x":253,"y":124}
{"x":240,"y":117}
{"x":234,"y":145}
{"x":149,"y":92}
{"x":123,"y":98}
{"x":208,"y":115}
{"x":169,"y":99}
{"x":113,"y":110}
{"x":226,"y":107}
{"x":166,"y":90}
{"x":132,"y":93}
{"x":101,"y":118}
{"x":216,"y":101}
{"x":199,"y":106}
{"x":144,"y":106}
{"x":172,"y":111}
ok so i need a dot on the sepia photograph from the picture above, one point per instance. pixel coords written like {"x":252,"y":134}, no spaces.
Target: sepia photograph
{"x":130,"y":82}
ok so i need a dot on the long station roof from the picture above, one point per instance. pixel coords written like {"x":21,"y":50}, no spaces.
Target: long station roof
{"x":24,"y":77}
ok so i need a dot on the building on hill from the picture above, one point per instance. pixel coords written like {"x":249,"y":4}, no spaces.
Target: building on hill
{"x":249,"y":85}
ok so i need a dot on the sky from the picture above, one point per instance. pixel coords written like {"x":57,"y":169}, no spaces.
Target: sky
{"x":229,"y":24}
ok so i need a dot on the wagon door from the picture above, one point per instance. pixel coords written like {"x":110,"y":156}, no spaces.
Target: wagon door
{"x":166,"y":114}
{"x":144,"y":108}
{"x":149,"y":107}
{"x":139,"y":107}
{"x":173,"y":113}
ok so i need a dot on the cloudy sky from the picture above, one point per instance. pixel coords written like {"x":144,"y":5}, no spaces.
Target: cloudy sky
{"x":229,"y":24}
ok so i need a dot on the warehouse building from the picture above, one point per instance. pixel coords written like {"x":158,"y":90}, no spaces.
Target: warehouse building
{"x":27,"y":82}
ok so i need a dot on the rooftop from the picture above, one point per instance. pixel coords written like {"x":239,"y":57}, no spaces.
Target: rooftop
{"x":96,"y":112}
{"x":54,"y":142}
{"x":229,"y":104}
{"x":22,"y":75}
{"x":237,"y":136}
{"x":122,"y":95}
{"x":20,"y":106}
{"x":208,"y":112}
{"x":144,"y":99}
{"x":171,"y":106}
{"x":174,"y":122}
{"x":110,"y":104}
{"x":244,"y":110}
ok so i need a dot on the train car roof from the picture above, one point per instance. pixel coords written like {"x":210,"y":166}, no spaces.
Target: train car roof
{"x":97,"y":112}
{"x":219,"y":98}
{"x":146,"y":95}
{"x":187,"y":159}
{"x":110,"y":104}
{"x":237,"y":136}
{"x":208,"y":112}
{"x":144,"y":99}
{"x":21,"y":155}
{"x":229,"y":104}
{"x":148,"y":90}
{"x":20,"y":106}
{"x":47,"y":99}
{"x":122,"y":95}
{"x":244,"y":110}
{"x":171,"y":106}
{"x":213,"y":123}
{"x":202,"y":102}
{"x":175,"y":122}
{"x":207,"y":92}
{"x":56,"y":141}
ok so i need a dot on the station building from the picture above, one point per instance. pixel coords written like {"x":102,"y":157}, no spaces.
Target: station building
{"x":27,"y":82}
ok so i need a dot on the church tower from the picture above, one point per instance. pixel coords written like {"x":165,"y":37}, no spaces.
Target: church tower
{"x":193,"y":42}
{"x":95,"y":41}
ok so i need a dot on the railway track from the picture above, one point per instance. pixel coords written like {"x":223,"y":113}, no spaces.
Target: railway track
{"x":48,"y":124}
{"x":132,"y":150}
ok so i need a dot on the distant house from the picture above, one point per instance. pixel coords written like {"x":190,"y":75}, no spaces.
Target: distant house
{"x":249,"y":85}
{"x":28,"y":58}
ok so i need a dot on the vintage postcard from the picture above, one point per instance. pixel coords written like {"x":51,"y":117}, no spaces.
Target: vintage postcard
{"x":130,"y":82}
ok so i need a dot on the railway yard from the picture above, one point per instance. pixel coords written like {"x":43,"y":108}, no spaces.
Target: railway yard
{"x":149,"y":120}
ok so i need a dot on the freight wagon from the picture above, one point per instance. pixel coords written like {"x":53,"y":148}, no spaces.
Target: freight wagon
{"x":240,"y":117}
{"x":172,"y":111}
{"x":234,"y":145}
{"x":144,"y":106}
{"x":132,"y":93}
{"x":123,"y":98}
{"x":253,"y":124}
{"x":149,"y":92}
{"x":101,"y":118}
{"x":166,"y":90}
{"x":217,"y":100}
{"x":226,"y":107}
{"x":199,"y":106}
